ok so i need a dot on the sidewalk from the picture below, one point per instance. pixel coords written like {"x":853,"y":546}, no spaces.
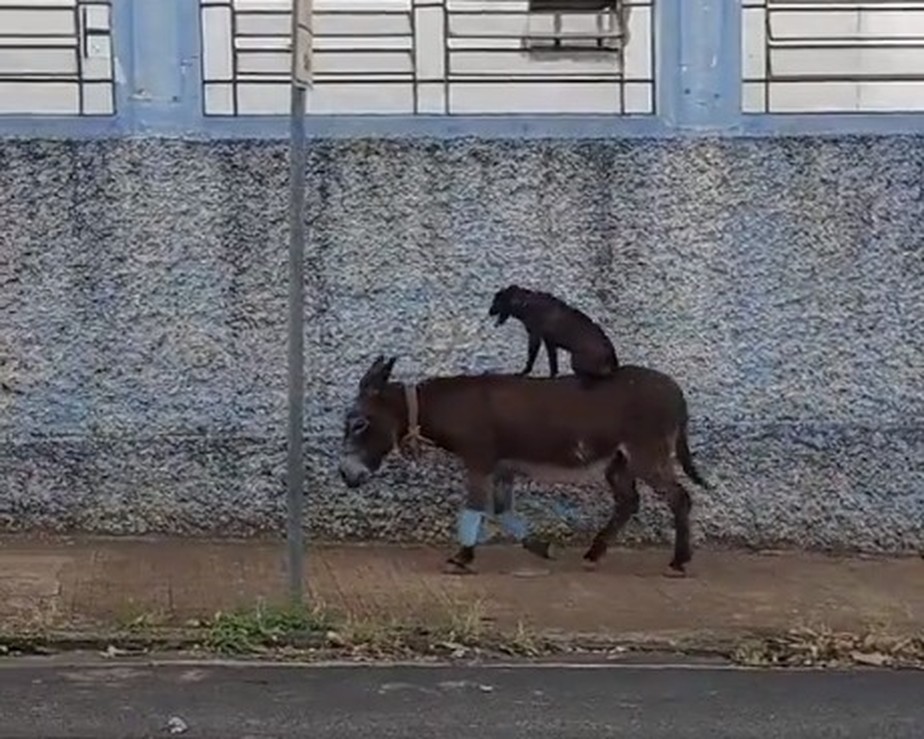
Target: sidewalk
{"x":74,"y":583}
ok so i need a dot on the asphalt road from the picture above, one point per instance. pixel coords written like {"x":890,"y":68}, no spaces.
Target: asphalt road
{"x":232,"y":702}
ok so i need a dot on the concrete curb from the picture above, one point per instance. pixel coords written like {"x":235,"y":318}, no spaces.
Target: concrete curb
{"x":737,"y":649}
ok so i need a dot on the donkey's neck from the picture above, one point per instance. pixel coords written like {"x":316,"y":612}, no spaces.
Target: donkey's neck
{"x":394,"y":396}
{"x":428,"y":425}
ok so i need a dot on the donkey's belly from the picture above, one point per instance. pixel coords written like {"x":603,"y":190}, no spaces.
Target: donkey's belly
{"x":552,"y":473}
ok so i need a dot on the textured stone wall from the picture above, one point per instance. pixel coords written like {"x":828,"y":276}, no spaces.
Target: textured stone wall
{"x":143,"y":304}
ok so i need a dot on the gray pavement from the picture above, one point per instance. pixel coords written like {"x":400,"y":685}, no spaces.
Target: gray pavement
{"x":227,"y":702}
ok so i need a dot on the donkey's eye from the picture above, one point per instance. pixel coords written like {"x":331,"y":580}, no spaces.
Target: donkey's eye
{"x":358,"y":426}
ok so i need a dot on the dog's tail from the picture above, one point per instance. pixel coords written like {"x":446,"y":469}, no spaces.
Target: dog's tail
{"x":686,"y":459}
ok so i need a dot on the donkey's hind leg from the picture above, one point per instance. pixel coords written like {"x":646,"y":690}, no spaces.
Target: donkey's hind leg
{"x":681,"y":504}
{"x":625,"y":505}
{"x":660,"y":476}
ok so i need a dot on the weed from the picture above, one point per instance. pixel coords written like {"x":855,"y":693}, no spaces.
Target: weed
{"x":372,"y":636}
{"x":266,"y":626}
{"x":524,"y":641}
{"x":464,"y":622}
{"x":141,"y":621}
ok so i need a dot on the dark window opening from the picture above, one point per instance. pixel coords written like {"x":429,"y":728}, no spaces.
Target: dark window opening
{"x":608,"y":34}
{"x":570,"y":6}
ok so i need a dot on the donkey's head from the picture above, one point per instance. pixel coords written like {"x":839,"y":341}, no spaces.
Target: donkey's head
{"x":370,"y":426}
{"x":504,"y":303}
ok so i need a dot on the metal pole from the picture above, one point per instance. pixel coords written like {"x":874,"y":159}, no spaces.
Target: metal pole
{"x":295,"y":461}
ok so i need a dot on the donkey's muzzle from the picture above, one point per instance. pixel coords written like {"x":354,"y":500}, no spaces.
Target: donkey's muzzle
{"x":353,"y":473}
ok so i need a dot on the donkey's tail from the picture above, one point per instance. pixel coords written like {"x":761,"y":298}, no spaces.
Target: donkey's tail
{"x":686,"y":459}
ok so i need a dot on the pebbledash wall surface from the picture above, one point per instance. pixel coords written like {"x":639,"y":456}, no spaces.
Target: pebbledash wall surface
{"x":771,"y":262}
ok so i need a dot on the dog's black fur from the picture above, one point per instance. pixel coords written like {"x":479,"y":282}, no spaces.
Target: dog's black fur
{"x":557,"y":325}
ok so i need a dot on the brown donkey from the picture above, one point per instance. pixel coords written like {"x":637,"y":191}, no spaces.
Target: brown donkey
{"x":625,"y":427}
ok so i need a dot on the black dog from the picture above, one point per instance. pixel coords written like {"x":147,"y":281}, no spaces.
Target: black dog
{"x":556,"y":324}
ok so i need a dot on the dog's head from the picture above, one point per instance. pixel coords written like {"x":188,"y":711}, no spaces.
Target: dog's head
{"x":504,"y":303}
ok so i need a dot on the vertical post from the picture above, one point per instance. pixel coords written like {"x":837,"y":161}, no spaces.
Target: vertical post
{"x":301,"y":79}
{"x":701,"y":62}
{"x":157,"y":46}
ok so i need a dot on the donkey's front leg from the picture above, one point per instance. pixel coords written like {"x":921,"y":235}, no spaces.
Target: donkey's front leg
{"x":479,"y":497}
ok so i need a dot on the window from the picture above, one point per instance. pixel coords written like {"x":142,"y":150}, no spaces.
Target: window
{"x":56,"y":57}
{"x":434,"y":57}
{"x":827,"y":56}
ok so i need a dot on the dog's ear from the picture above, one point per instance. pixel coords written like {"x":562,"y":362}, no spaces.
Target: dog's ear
{"x":517,"y":297}
{"x":509,"y":293}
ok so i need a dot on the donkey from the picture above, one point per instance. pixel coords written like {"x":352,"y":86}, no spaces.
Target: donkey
{"x":502,"y":426}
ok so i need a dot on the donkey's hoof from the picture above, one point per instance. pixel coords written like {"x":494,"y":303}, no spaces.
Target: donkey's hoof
{"x":590,"y":565}
{"x":457,"y":568}
{"x":675,"y":572}
{"x":539,"y":547}
{"x":594,"y":553}
{"x":591,"y":559}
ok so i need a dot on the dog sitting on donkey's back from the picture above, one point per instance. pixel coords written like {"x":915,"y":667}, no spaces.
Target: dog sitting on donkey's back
{"x":556,"y":325}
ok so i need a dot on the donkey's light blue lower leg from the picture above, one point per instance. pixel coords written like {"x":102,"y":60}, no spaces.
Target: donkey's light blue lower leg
{"x":469,"y":527}
{"x":514,"y":525}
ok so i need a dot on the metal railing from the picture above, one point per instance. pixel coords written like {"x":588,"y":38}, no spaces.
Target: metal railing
{"x":56,"y":58}
{"x":434,"y":57}
{"x":833,"y":56}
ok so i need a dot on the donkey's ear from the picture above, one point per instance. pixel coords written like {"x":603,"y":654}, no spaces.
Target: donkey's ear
{"x":370,"y":381}
{"x":387,"y":368}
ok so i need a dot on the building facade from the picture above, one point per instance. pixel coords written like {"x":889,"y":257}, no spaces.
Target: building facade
{"x":732,"y":187}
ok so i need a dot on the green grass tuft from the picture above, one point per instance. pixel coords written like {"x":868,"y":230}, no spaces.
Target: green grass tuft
{"x":265,"y":627}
